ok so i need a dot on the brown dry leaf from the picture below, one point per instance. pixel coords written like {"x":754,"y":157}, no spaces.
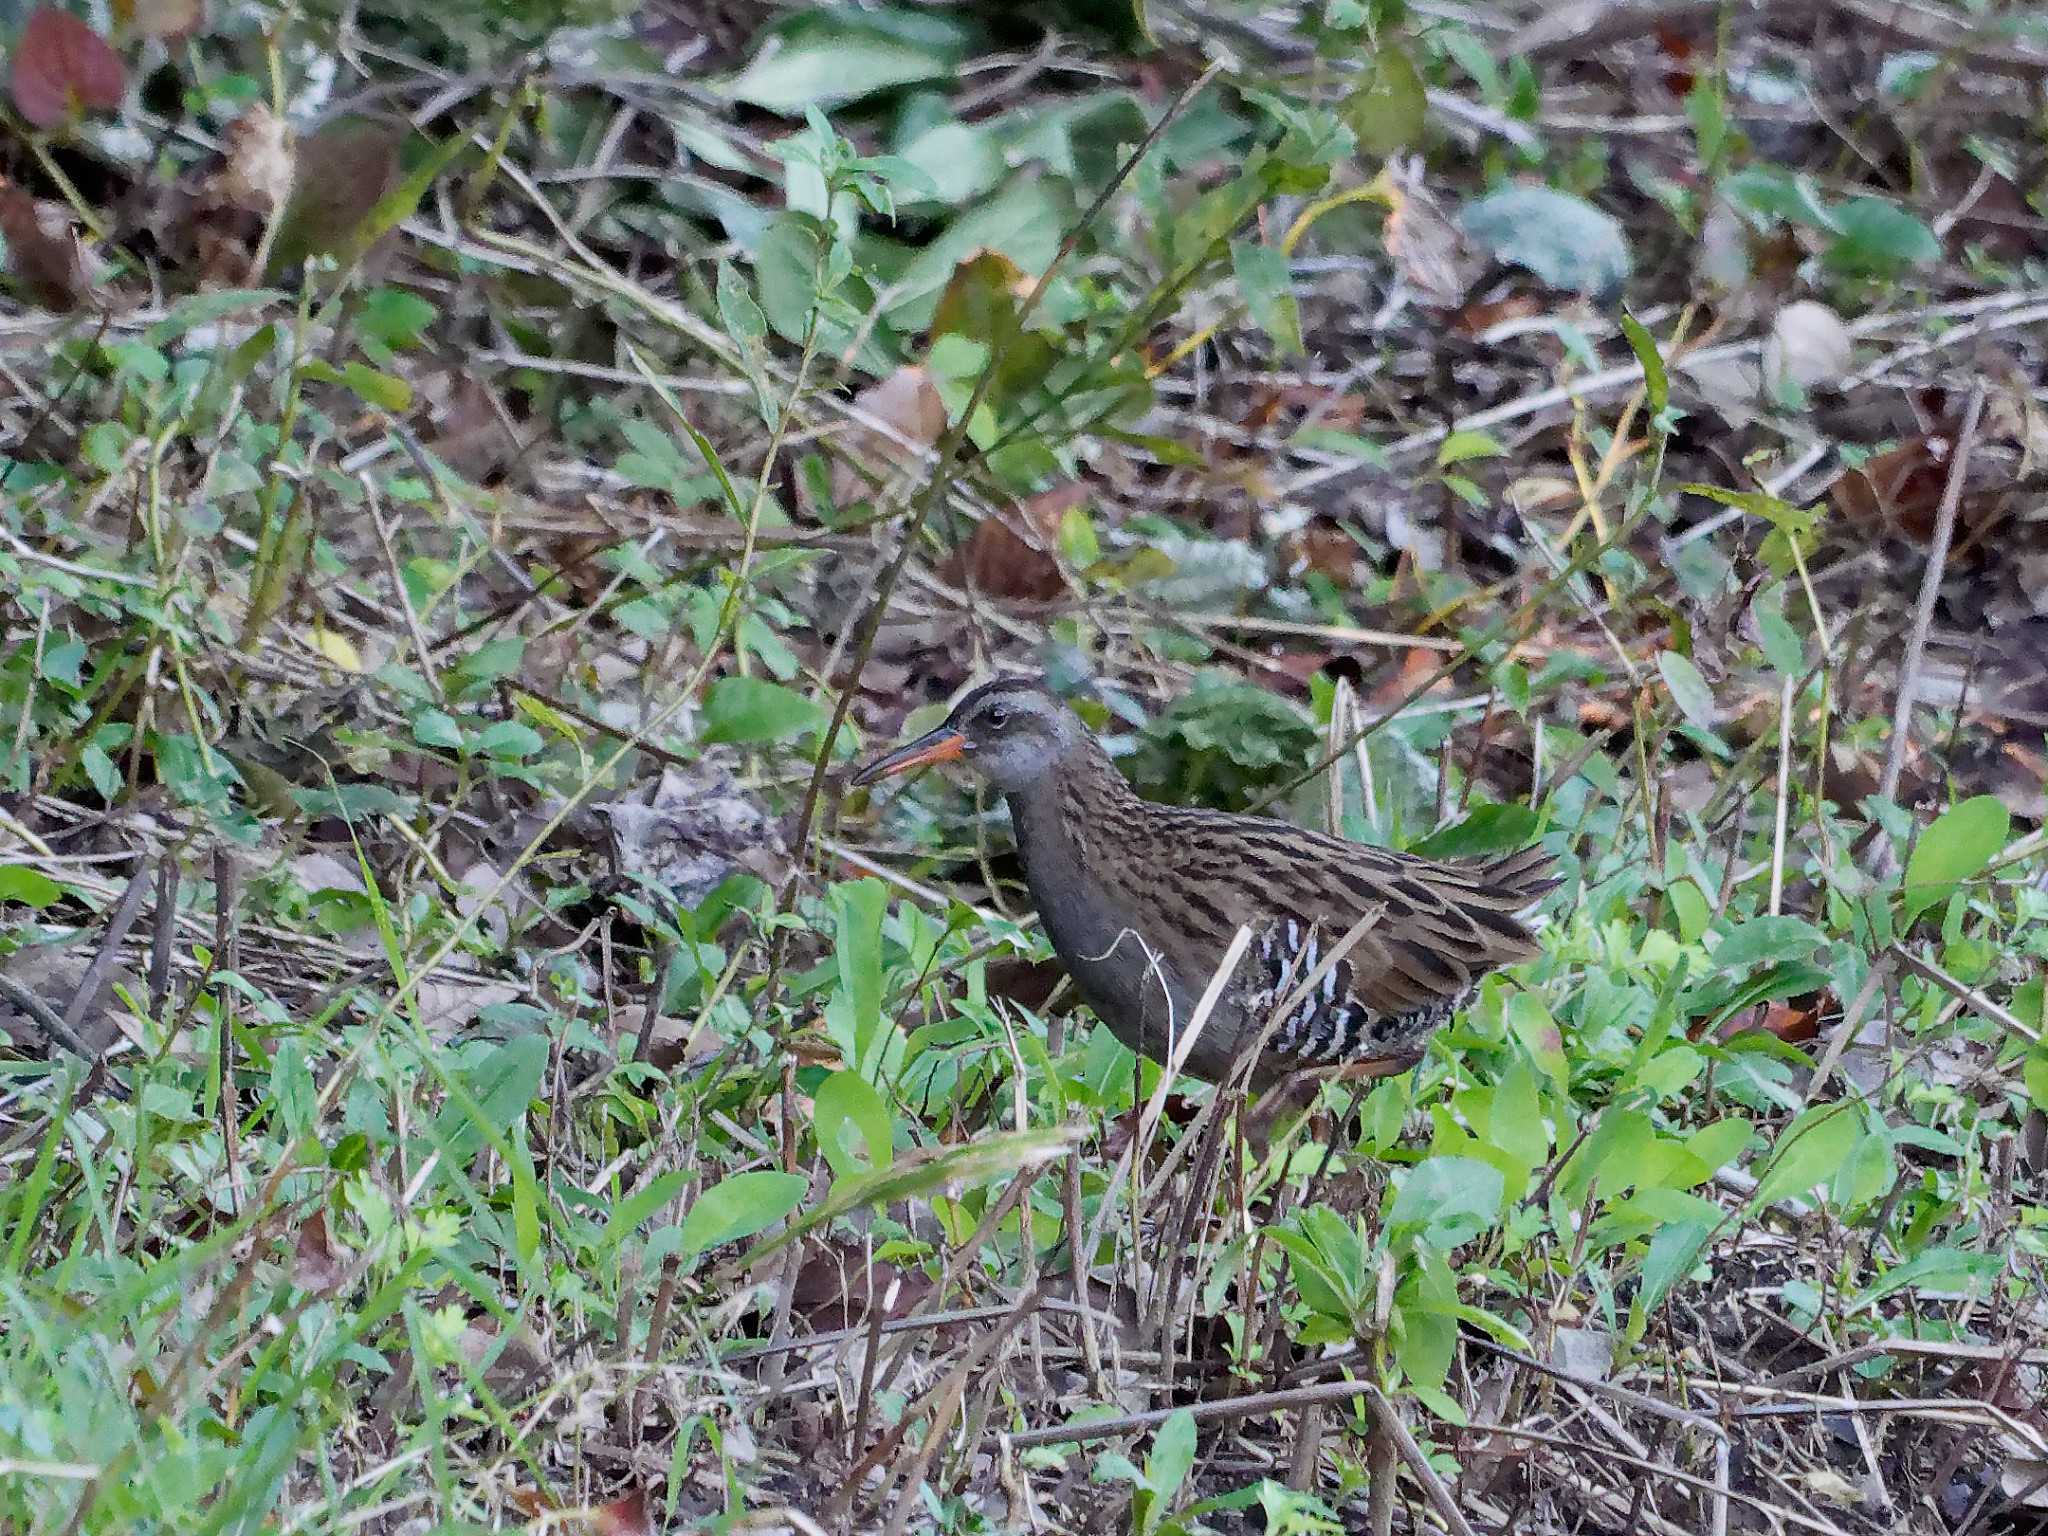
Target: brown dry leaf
{"x":1028,"y":983}
{"x":1482,"y":315}
{"x":981,"y":297}
{"x":1427,"y":247}
{"x":317,"y":1265}
{"x":1794,"y":1022}
{"x":1900,"y":490}
{"x":62,"y":67}
{"x":169,"y":21}
{"x":1416,"y":664}
{"x":1330,"y":552}
{"x":343,"y":172}
{"x":1315,"y":403}
{"x":908,"y":404}
{"x":1290,"y":671}
{"x":473,"y":439}
{"x":1681,"y":59}
{"x":627,"y":1516}
{"x":1003,"y":564}
{"x":838,"y":1287}
{"x":43,"y":249}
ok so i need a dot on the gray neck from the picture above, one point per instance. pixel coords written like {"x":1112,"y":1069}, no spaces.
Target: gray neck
{"x":1087,"y":927}
{"x":1042,"y":843}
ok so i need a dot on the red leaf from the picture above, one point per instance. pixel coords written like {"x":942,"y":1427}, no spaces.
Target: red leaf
{"x":62,"y":66}
{"x":628,"y":1516}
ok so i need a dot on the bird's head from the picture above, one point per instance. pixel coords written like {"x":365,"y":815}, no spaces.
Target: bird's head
{"x":1012,"y":732}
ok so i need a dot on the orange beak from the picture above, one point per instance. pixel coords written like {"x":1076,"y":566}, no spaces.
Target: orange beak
{"x":945,"y":745}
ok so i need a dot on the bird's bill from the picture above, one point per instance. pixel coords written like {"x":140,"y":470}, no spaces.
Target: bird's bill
{"x":945,"y":745}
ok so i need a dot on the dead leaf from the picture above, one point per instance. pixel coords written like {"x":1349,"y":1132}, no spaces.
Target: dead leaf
{"x":62,"y":67}
{"x":257,"y":163}
{"x":343,"y":172}
{"x":43,"y":249}
{"x":907,"y":404}
{"x":1328,"y":551}
{"x":1480,"y":316}
{"x":838,"y":1287}
{"x":698,"y":828}
{"x":1795,"y":1021}
{"x":1426,"y":245}
{"x":627,"y":1516}
{"x":1001,"y":563}
{"x":1808,"y":346}
{"x":317,"y":1265}
{"x":1899,"y":490}
{"x":1680,"y":59}
{"x":168,"y":21}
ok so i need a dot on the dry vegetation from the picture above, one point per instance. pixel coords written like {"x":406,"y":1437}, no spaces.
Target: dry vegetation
{"x":474,"y":476}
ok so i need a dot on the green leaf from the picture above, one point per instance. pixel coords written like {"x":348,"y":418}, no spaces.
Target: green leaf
{"x":509,"y":739}
{"x":1946,"y":1270}
{"x":1768,"y":193}
{"x":637,"y":1207}
{"x":391,"y":315}
{"x":29,"y":886}
{"x":739,"y":1207}
{"x":748,"y":329}
{"x":1689,"y":910}
{"x":1384,"y":107}
{"x":1489,"y":829}
{"x":1656,"y":381}
{"x":1465,"y":445}
{"x":500,"y":1088}
{"x":1536,"y":1027}
{"x":1689,"y":691}
{"x":787,"y":265}
{"x":1450,"y":1200}
{"x":436,"y":728}
{"x":379,"y":389}
{"x":1766,"y":941}
{"x":1782,"y":647}
{"x":1810,"y":1151}
{"x":1674,"y":1252}
{"x":1719,"y":1144}
{"x":1173,"y":1456}
{"x":826,"y":57}
{"x":101,"y":769}
{"x":1515,"y":1119}
{"x":1564,"y":240}
{"x":752,"y":710}
{"x":917,"y":1175}
{"x":1268,"y":290}
{"x":847,"y":1102}
{"x":1961,"y":842}
{"x":1874,"y":238}
{"x":1323,"y":1290}
{"x":858,"y":907}
{"x":525,"y":1198}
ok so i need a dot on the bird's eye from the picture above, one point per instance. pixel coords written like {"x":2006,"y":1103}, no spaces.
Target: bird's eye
{"x":996,"y":717}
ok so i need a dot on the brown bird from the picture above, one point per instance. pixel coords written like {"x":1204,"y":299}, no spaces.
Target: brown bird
{"x":1143,"y":901}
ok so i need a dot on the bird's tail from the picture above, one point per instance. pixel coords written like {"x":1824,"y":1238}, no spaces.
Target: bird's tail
{"x":1521,"y":879}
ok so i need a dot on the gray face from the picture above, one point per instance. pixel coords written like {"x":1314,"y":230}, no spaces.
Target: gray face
{"x":1012,"y":733}
{"x":1015,"y":733}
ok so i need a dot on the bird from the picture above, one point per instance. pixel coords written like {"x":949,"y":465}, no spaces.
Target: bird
{"x":1143,"y":902}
